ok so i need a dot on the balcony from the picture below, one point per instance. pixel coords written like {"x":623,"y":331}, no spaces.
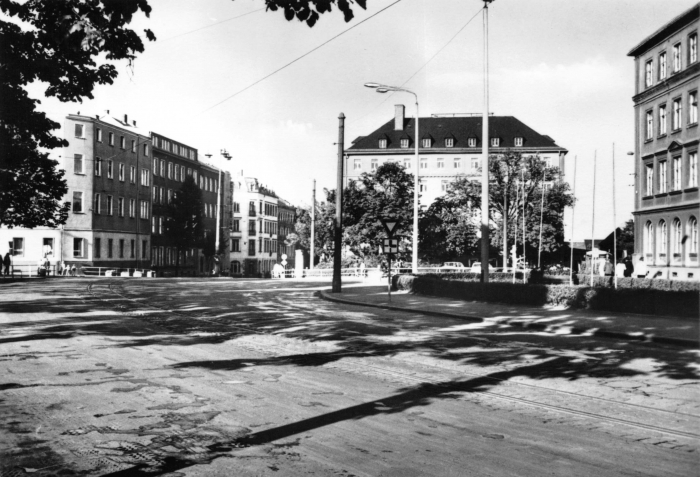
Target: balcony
{"x":252,"y":233}
{"x":251,"y":213}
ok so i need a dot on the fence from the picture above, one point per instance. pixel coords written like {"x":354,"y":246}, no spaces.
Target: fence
{"x":52,"y":271}
{"x":368,"y":272}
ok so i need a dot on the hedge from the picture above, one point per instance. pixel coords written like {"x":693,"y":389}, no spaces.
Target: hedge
{"x":644,"y":283}
{"x":651,"y":301}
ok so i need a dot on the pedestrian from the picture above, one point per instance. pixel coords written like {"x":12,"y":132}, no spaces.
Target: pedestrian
{"x":629,"y":267}
{"x":73,"y":271}
{"x":621,"y":269}
{"x":362,"y":269}
{"x":608,"y":268}
{"x":6,"y":262}
{"x":641,"y":270}
{"x":601,"y":266}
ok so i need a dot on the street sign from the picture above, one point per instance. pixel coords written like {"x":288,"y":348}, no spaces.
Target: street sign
{"x":390,"y":224}
{"x":284,"y":256}
{"x":391,"y":245}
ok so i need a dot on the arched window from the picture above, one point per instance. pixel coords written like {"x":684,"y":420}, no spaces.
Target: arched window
{"x":663,"y":239}
{"x":677,"y":239}
{"x":693,"y":223}
{"x":649,"y":239}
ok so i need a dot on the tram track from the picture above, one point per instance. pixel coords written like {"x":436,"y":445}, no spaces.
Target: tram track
{"x":354,"y":356}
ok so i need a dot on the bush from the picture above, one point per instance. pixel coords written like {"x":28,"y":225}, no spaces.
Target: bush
{"x":643,"y":283}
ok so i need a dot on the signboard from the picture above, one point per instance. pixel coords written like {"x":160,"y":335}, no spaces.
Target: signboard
{"x":391,"y":245}
{"x":390,"y":224}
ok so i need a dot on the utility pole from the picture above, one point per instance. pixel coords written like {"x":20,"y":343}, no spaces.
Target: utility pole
{"x":485,"y":155}
{"x":571,"y":242}
{"x":338,"y":242}
{"x":614,"y":219}
{"x":313,"y":226}
{"x":595,"y":157}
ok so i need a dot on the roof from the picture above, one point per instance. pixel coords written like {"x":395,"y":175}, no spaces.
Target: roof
{"x":507,"y":128}
{"x":688,"y":16}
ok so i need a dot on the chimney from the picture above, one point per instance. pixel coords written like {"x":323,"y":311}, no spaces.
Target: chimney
{"x":134,"y":123}
{"x":399,"y":117}
{"x":126,"y":119}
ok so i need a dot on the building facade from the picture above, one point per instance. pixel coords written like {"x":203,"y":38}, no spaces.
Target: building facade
{"x":667,"y":80}
{"x":286,"y":218}
{"x":108,"y":173}
{"x":450,"y":146}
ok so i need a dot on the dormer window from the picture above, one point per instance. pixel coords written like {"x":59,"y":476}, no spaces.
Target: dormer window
{"x":382,"y":144}
{"x":471,"y":142}
{"x":427,"y":142}
{"x":495,"y":142}
{"x":449,"y":142}
{"x":518,"y":142}
{"x":404,"y":143}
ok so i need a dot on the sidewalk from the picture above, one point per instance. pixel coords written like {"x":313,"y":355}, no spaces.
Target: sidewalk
{"x":622,"y":326}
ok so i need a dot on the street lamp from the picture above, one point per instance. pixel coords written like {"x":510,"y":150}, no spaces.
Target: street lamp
{"x":382,"y":88}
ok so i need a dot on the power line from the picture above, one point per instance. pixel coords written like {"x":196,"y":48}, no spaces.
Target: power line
{"x":421,"y":68}
{"x":209,"y":26}
{"x":300,"y":57}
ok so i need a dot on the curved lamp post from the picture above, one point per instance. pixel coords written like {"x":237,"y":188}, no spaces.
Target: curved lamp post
{"x":382,"y":88}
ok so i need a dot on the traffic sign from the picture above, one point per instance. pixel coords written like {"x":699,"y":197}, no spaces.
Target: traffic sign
{"x":284,"y":256}
{"x":390,"y":224}
{"x":391,"y":245}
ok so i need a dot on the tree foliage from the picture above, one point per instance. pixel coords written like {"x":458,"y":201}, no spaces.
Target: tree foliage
{"x":309,"y":11}
{"x":184,"y":219}
{"x":57,"y":43}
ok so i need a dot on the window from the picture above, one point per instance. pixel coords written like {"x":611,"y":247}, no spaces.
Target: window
{"x":47,"y":246}
{"x":154,"y":221}
{"x":110,"y":201}
{"x":649,"y":239}
{"x":110,"y":169}
{"x":133,"y":145}
{"x":458,"y":163}
{"x":144,"y":209}
{"x":17,"y":247}
{"x":99,"y":135}
{"x":423,"y":186}
{"x":120,"y":206}
{"x":121,"y":172}
{"x":97,"y":247}
{"x":132,"y":208}
{"x":443,"y":186}
{"x":677,"y":112}
{"x":77,"y":202}
{"x":423,"y":163}
{"x":650,"y":126}
{"x":132,"y":174}
{"x":236,"y":225}
{"x":476,"y":162}
{"x":251,"y":248}
{"x":427,"y":142}
{"x":495,"y":142}
{"x":132,"y":249}
{"x":170,"y":195}
{"x":404,"y":143}
{"x":98,"y":167}
{"x":155,"y":194}
{"x":122,"y":142}
{"x":693,"y":169}
{"x":407,"y":163}
{"x":78,"y":248}
{"x":662,"y":66}
{"x":121,"y":248}
{"x":110,"y":244}
{"x":96,"y":204}
{"x":80,"y":131}
{"x":693,"y":107}
{"x":677,"y":238}
{"x":145,"y":149}
{"x":170,"y":170}
{"x":693,"y":235}
{"x":449,"y":142}
{"x":518,"y":142}
{"x":145,"y":177}
{"x":111,"y":139}
{"x":155,"y":167}
{"x":677,"y":170}
{"x":471,"y":142}
{"x":649,"y":73}
{"x":382,"y":144}
{"x":357,"y":164}
{"x":663,"y":239}
{"x":161,"y":195}
{"x":662,"y":177}
{"x":144,"y":248}
{"x":676,"y":57}
{"x":693,"y":48}
{"x":662,"y":120}
{"x":78,"y":166}
{"x":374,"y":164}
{"x":440,"y":163}
{"x":236,"y":245}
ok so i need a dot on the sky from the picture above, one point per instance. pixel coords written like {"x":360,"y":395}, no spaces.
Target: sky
{"x":561,"y":67}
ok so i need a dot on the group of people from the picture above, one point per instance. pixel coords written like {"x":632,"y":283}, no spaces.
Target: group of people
{"x":624,"y":268}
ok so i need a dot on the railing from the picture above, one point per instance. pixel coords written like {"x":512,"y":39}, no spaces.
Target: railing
{"x":252,"y":232}
{"x":251,"y":213}
{"x":115,"y":272}
{"x":53,"y":271}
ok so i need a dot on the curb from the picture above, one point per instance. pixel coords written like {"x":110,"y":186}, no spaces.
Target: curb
{"x":576,"y":330}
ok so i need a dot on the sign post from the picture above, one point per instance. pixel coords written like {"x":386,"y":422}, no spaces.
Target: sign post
{"x":391,"y":245}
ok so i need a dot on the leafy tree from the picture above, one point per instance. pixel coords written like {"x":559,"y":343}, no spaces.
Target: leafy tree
{"x":57,"y":43}
{"x":309,"y":11}
{"x":323,"y":233}
{"x":449,"y":227}
{"x":625,"y":239}
{"x":184,"y":220}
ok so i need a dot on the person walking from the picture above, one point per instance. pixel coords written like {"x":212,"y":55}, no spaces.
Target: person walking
{"x":620,"y":270}
{"x":608,"y":268}
{"x":641,"y":270}
{"x":629,"y":267}
{"x":6,"y":262}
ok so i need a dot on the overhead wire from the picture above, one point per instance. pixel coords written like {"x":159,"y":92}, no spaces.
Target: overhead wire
{"x":209,"y":26}
{"x":300,"y":57}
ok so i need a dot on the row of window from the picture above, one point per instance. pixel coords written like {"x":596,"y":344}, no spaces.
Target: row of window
{"x":428,"y":142}
{"x":676,"y":116}
{"x":120,"y":249}
{"x":176,"y":172}
{"x":80,"y":134}
{"x":17,"y":246}
{"x":676,"y":61}
{"x":164,"y":256}
{"x":657,"y":242}
{"x":657,"y":179}
{"x":475,"y":163}
{"x":174,"y":148}
{"x":80,"y":246}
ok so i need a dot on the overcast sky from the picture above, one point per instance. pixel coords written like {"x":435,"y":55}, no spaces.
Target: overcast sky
{"x":561,"y":67}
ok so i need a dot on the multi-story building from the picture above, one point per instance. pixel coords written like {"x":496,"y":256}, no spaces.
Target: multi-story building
{"x":209,"y":182}
{"x":172,"y":162}
{"x":667,"y":80}
{"x":450,"y":146}
{"x":286,"y":218}
{"x":108,"y":173}
{"x":254,"y":227}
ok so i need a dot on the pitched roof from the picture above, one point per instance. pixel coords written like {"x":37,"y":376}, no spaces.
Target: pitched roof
{"x":688,"y":16}
{"x":507,"y":128}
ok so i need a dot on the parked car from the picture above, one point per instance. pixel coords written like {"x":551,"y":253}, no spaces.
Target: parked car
{"x":476,"y":267}
{"x":454,"y":266}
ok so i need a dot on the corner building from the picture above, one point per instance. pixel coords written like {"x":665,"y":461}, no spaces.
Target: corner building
{"x":667,"y":80}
